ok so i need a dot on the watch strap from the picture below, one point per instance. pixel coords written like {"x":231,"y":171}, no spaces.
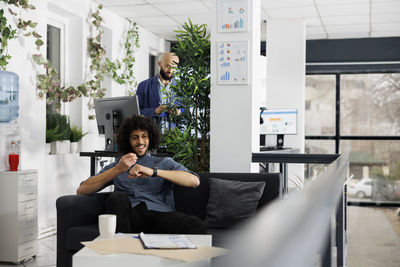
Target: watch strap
{"x":155,"y":170}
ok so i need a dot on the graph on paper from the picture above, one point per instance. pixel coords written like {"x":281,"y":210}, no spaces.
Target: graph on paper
{"x":232,"y":62}
{"x":233,"y":15}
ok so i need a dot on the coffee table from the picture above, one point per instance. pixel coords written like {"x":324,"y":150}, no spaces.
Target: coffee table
{"x":87,"y":257}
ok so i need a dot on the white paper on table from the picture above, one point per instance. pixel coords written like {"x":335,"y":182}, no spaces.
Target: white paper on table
{"x":165,"y":241}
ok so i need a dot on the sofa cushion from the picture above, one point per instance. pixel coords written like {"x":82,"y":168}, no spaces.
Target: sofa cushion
{"x":231,"y":201}
{"x":78,"y":234}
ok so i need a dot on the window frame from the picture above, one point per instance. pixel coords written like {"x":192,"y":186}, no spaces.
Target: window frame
{"x":56,"y":21}
{"x":338,"y":137}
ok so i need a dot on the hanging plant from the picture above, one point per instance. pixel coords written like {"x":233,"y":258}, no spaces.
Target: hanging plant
{"x":7,"y":34}
{"x":127,"y":76}
{"x":51,"y":87}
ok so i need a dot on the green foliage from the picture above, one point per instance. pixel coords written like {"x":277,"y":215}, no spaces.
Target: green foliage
{"x":61,"y":122}
{"x":53,"y":135}
{"x":395,"y":172}
{"x":182,"y":144}
{"x":127,"y":76}
{"x":51,"y":87}
{"x":376,"y":171}
{"x":190,"y":141}
{"x":7,"y":33}
{"x":76,"y":134}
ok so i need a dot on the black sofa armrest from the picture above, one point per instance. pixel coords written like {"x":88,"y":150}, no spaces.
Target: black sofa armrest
{"x":75,"y":210}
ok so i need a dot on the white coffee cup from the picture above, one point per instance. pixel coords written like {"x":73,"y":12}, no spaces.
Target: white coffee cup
{"x":107,"y":225}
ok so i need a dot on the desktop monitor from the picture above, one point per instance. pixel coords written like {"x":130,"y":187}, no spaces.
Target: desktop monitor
{"x":110,"y":113}
{"x":278,"y":122}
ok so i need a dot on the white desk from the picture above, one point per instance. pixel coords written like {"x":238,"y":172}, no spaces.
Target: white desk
{"x":87,"y":257}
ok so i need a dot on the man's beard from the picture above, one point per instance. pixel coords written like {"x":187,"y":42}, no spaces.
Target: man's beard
{"x":164,"y":75}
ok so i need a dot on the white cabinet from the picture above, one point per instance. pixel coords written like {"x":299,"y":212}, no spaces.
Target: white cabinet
{"x":18,"y":215}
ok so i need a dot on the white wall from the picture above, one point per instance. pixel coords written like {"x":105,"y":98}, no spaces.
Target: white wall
{"x":61,"y":174}
{"x":234,"y":115}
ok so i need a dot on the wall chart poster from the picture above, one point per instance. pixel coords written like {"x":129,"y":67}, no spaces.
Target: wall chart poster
{"x":232,"y":62}
{"x":233,"y":15}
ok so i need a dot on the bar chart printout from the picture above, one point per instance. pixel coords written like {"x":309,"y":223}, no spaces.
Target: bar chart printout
{"x":232,"y":15}
{"x":232,"y":62}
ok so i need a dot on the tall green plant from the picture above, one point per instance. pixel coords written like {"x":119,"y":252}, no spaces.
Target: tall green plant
{"x":190,"y":141}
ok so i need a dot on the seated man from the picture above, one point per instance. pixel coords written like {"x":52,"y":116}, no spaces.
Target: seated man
{"x":143,"y":197}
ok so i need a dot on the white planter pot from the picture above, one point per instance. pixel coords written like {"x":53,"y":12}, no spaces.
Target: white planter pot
{"x":48,"y":148}
{"x":74,"y":147}
{"x":66,"y":147}
{"x":55,"y":147}
{"x":60,"y":147}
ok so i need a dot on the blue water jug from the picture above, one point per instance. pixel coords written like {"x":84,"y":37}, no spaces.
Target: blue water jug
{"x":8,"y":96}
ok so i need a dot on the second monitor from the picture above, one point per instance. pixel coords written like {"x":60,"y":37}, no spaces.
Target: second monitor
{"x":278,"y":122}
{"x":110,"y":113}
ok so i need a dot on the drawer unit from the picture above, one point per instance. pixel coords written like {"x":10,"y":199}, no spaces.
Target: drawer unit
{"x":27,"y":235}
{"x":27,"y":193}
{"x":27,"y":250}
{"x":27,"y":207}
{"x":27,"y":221}
{"x":18,"y":215}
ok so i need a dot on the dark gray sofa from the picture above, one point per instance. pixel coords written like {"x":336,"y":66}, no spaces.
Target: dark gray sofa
{"x":77,"y":215}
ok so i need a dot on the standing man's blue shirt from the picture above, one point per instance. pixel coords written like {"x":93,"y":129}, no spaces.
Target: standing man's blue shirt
{"x":156,"y":192}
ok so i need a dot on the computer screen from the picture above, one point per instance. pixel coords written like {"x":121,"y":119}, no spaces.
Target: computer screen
{"x":277,"y":122}
{"x":110,"y":113}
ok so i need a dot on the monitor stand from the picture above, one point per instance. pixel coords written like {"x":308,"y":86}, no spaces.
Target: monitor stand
{"x":279,"y":141}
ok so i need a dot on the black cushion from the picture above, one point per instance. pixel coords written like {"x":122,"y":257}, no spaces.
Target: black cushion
{"x":232,"y":201}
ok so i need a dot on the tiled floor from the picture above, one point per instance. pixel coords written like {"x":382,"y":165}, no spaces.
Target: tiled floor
{"x":46,"y":254}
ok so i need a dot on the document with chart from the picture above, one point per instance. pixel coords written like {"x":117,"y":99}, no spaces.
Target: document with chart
{"x":154,"y":241}
{"x":232,"y":15}
{"x":232,"y":62}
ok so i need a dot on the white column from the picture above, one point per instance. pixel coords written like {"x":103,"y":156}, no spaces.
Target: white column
{"x":286,"y":57}
{"x":235,"y":108}
{"x":286,"y":50}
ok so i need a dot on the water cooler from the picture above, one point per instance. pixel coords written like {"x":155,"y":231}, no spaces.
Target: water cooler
{"x":9,"y":132}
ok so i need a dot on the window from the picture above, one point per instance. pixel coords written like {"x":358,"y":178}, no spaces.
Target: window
{"x":320,"y":105}
{"x":367,"y":123}
{"x":366,"y":115}
{"x":370,"y":104}
{"x":54,"y":55}
{"x":152,"y":65}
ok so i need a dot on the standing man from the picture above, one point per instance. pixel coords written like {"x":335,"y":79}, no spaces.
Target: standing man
{"x":143,"y":197}
{"x":155,"y":93}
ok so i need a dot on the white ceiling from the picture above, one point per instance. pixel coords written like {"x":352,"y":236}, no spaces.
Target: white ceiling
{"x":325,"y":19}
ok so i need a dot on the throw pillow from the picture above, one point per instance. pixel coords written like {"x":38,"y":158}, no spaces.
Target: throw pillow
{"x":231,"y":201}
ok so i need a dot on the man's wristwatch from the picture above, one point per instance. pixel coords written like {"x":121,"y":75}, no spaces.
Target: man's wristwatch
{"x":155,"y":169}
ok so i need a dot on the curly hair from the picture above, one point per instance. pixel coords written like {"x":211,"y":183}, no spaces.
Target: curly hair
{"x":133,"y":123}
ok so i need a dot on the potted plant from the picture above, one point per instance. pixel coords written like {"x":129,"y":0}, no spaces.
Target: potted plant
{"x":62,"y":144}
{"x":190,"y":141}
{"x":52,"y":135}
{"x":75,"y":136}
